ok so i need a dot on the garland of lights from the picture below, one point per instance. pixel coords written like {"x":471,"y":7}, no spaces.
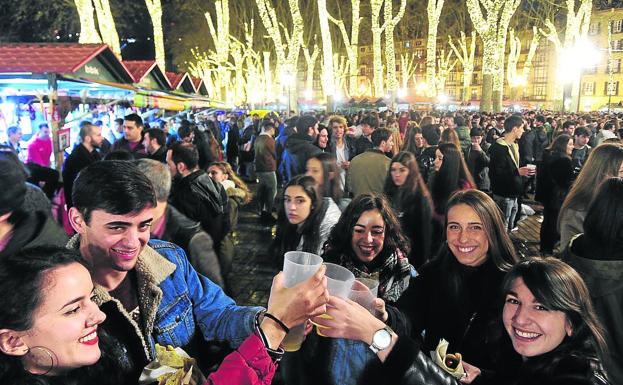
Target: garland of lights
{"x":88,"y":32}
{"x":154,"y":7}
{"x":351,"y":44}
{"x":434,"y":12}
{"x":466,"y":57}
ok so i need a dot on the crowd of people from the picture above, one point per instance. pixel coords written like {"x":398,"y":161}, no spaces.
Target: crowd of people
{"x":132,"y":243}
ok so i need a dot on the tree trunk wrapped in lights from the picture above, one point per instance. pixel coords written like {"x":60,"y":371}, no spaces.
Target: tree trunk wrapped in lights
{"x":390,"y":50}
{"x":351,"y":44}
{"x":220,"y":36}
{"x":517,"y":79}
{"x":154,"y":7}
{"x":434,"y":11}
{"x":340,"y":69}
{"x":466,"y":57}
{"x":377,"y":31}
{"x":107,"y":27}
{"x":407,"y":69}
{"x":238,"y":57}
{"x":577,"y":25}
{"x":286,"y":62}
{"x":444,"y":68}
{"x":328,"y":83}
{"x":492,"y":30}
{"x":268,"y":77}
{"x":310,"y":60}
{"x":88,"y":32}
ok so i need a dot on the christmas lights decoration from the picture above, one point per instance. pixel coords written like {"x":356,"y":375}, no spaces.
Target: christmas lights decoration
{"x":221,"y":38}
{"x":434,"y":12}
{"x":310,"y":61}
{"x":408,"y":65}
{"x":351,"y":44}
{"x":390,"y":51}
{"x":327,"y":52}
{"x":88,"y":31}
{"x":444,"y":66}
{"x":466,"y":56}
{"x":492,"y":29}
{"x":390,"y":23}
{"x":517,"y":80}
{"x":154,"y":7}
{"x":107,"y":27}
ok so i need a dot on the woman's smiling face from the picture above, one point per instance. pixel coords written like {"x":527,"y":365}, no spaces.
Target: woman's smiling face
{"x":368,"y":235}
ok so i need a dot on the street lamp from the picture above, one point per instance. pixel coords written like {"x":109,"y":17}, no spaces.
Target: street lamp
{"x":572,"y":61}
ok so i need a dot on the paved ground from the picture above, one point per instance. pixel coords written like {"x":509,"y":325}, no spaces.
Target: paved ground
{"x":253,"y":269}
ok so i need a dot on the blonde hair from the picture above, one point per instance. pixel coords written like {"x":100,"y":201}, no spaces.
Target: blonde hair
{"x":231,"y":174}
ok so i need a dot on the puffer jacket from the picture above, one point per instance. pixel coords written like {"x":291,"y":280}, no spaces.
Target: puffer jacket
{"x":250,"y":364}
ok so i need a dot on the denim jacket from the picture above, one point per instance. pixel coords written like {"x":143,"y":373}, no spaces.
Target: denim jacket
{"x":174,"y":299}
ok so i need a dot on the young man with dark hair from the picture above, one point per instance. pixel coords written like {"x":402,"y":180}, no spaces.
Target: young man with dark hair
{"x":14,"y":134}
{"x":148,"y":290}
{"x":431,"y":133}
{"x":477,"y":159}
{"x":581,"y":149}
{"x":89,"y":140}
{"x":504,"y":170}
{"x":154,"y":142}
{"x":299,"y":146}
{"x":368,"y":125}
{"x":195,"y":194}
{"x":38,"y":162}
{"x":132,"y":137}
{"x":368,"y":171}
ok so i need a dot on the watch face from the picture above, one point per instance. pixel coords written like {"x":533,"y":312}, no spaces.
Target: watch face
{"x":382,"y":338}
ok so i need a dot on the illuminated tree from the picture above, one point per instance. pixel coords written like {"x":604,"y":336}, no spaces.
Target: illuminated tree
{"x":388,"y":26}
{"x":351,"y":44}
{"x":287,"y":52}
{"x":434,"y":12}
{"x":310,"y":60}
{"x":154,"y":7}
{"x":408,"y":65}
{"x":445,"y":65}
{"x":465,"y":55}
{"x":492,"y":29}
{"x":576,"y":29}
{"x":340,"y":69}
{"x":516,"y":80}
{"x":327,"y":52}
{"x":106,"y":24}
{"x":88,"y":32}
{"x":220,"y":36}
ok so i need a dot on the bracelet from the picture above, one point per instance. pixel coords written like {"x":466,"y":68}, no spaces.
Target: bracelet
{"x":278,"y":321}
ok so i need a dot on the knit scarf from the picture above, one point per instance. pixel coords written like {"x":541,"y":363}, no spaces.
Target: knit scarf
{"x":393,"y":275}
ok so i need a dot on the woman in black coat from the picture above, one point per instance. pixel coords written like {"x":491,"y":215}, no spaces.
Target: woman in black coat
{"x":406,"y":190}
{"x":554,"y":178}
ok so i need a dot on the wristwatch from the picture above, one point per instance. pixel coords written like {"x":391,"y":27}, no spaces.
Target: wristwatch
{"x":381,"y":339}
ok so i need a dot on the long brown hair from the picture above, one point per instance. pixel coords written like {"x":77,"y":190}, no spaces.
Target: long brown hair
{"x":413,"y":184}
{"x":231,"y":174}
{"x":603,"y":162}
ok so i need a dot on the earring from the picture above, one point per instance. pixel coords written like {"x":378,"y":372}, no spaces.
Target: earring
{"x":38,"y":355}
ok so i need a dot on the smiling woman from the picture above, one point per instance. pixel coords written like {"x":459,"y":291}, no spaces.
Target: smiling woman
{"x":454,"y":295}
{"x":551,"y":322}
{"x":49,"y":325}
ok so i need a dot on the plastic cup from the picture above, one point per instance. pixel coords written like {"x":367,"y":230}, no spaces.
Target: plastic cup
{"x":298,"y":266}
{"x":339,"y":283}
{"x":364,"y":291}
{"x":339,"y":280}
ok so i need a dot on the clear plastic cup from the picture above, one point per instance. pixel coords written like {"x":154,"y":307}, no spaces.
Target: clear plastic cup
{"x":339,"y":280}
{"x":364,"y":291}
{"x":298,"y":266}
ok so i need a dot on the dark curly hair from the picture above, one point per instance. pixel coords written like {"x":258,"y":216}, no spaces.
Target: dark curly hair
{"x":339,"y":241}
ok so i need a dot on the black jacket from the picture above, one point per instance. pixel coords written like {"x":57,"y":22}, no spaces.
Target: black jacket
{"x":556,"y":368}
{"x":300,"y":146}
{"x":540,"y":142}
{"x":201,"y":199}
{"x":603,"y":278}
{"x":33,"y":229}
{"x":554,"y":178}
{"x":461,"y":304}
{"x":503,"y":172}
{"x":79,"y":158}
{"x":124,"y":145}
{"x":160,"y":155}
{"x":197,"y":244}
{"x":478,"y":164}
{"x":526,"y":147}
{"x":362,"y":144}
